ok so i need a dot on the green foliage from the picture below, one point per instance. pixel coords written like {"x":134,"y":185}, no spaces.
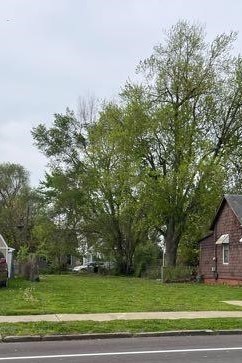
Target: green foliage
{"x":23,"y":253}
{"x":63,"y":141}
{"x":18,"y":206}
{"x":54,"y":243}
{"x":154,"y":164}
{"x":58,"y":227}
{"x":115,"y":213}
{"x":97,"y":197}
{"x":147,"y":257}
{"x":182,"y":124}
{"x":179,"y":274}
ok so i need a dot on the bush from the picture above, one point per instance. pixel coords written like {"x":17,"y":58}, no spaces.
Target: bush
{"x":28,"y":264}
{"x":153,"y":271}
{"x":147,"y":261}
{"x":179,"y":274}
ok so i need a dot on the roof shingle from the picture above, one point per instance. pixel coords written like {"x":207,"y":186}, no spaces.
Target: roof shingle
{"x":235,"y":203}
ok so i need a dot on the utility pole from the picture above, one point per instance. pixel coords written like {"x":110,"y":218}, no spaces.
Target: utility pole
{"x":163,"y":262}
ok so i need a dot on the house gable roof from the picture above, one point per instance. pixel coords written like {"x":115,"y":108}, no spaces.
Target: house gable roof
{"x":205,"y":237}
{"x":235,"y":203}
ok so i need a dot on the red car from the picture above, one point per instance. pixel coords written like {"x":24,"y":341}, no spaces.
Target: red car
{"x":3,"y":271}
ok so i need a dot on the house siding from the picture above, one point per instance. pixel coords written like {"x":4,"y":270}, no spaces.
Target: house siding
{"x":226,"y":223}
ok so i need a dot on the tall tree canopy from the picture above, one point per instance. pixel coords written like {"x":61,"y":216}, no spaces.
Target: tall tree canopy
{"x":115,"y":216}
{"x":184,"y":122}
{"x":155,"y":163}
{"x":17,"y":202}
{"x":94,"y":188}
{"x":59,"y":225}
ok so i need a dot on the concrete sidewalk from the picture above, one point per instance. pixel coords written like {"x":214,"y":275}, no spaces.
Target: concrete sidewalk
{"x":122,"y":316}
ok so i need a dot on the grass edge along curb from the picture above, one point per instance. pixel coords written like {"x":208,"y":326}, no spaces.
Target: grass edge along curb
{"x":118,"y":326}
{"x":61,"y":337}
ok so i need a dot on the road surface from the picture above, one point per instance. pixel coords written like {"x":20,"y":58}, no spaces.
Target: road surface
{"x":205,"y":349}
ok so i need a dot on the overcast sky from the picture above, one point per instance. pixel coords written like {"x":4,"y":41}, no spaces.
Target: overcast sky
{"x":54,"y":51}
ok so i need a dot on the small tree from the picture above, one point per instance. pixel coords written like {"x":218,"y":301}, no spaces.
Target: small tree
{"x":28,"y":264}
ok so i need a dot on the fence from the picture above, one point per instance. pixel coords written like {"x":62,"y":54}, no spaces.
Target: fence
{"x":169,"y":274}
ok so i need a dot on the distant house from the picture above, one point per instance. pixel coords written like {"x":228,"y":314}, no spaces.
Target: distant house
{"x":8,"y":253}
{"x":221,"y":250}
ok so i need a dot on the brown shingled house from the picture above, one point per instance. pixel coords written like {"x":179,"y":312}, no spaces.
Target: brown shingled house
{"x":221,"y":250}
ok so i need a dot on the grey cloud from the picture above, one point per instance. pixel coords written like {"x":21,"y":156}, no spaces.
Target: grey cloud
{"x":53,"y":51}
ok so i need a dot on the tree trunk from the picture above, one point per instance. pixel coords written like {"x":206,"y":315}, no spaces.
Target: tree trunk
{"x":124,"y":254}
{"x":172,"y":239}
{"x":124,"y":265}
{"x":171,"y":251}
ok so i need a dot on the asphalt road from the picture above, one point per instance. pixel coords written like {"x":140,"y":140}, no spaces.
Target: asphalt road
{"x":205,"y":349}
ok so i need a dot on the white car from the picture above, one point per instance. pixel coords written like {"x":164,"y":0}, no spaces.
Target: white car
{"x":80,"y":268}
{"x":89,"y":267}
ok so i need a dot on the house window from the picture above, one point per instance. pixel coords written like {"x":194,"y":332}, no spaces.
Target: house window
{"x":225,"y":254}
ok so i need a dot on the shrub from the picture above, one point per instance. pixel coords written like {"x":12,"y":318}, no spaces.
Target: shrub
{"x":147,"y":261}
{"x":179,"y":274}
{"x":28,"y":264}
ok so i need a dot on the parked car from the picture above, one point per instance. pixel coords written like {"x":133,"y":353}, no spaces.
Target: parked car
{"x":89,"y":267}
{"x":79,"y":268}
{"x":3,"y":271}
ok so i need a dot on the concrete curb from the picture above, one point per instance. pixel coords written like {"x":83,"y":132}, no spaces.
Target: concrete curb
{"x":44,"y":338}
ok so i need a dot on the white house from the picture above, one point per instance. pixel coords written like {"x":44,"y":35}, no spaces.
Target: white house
{"x":8,"y":253}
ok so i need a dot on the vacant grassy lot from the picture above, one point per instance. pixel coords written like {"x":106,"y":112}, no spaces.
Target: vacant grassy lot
{"x":93,"y":294}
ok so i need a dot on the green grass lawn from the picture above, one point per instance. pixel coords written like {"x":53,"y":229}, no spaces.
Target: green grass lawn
{"x":93,"y":294}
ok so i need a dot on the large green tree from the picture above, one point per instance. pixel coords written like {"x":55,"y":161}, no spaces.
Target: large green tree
{"x":92,"y":186}
{"x":115,"y":215}
{"x":17,"y":205}
{"x":62,"y":192}
{"x":157,"y":163}
{"x":183,"y":122}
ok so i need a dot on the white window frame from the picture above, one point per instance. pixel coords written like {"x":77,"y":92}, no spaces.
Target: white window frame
{"x":227,"y":247}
